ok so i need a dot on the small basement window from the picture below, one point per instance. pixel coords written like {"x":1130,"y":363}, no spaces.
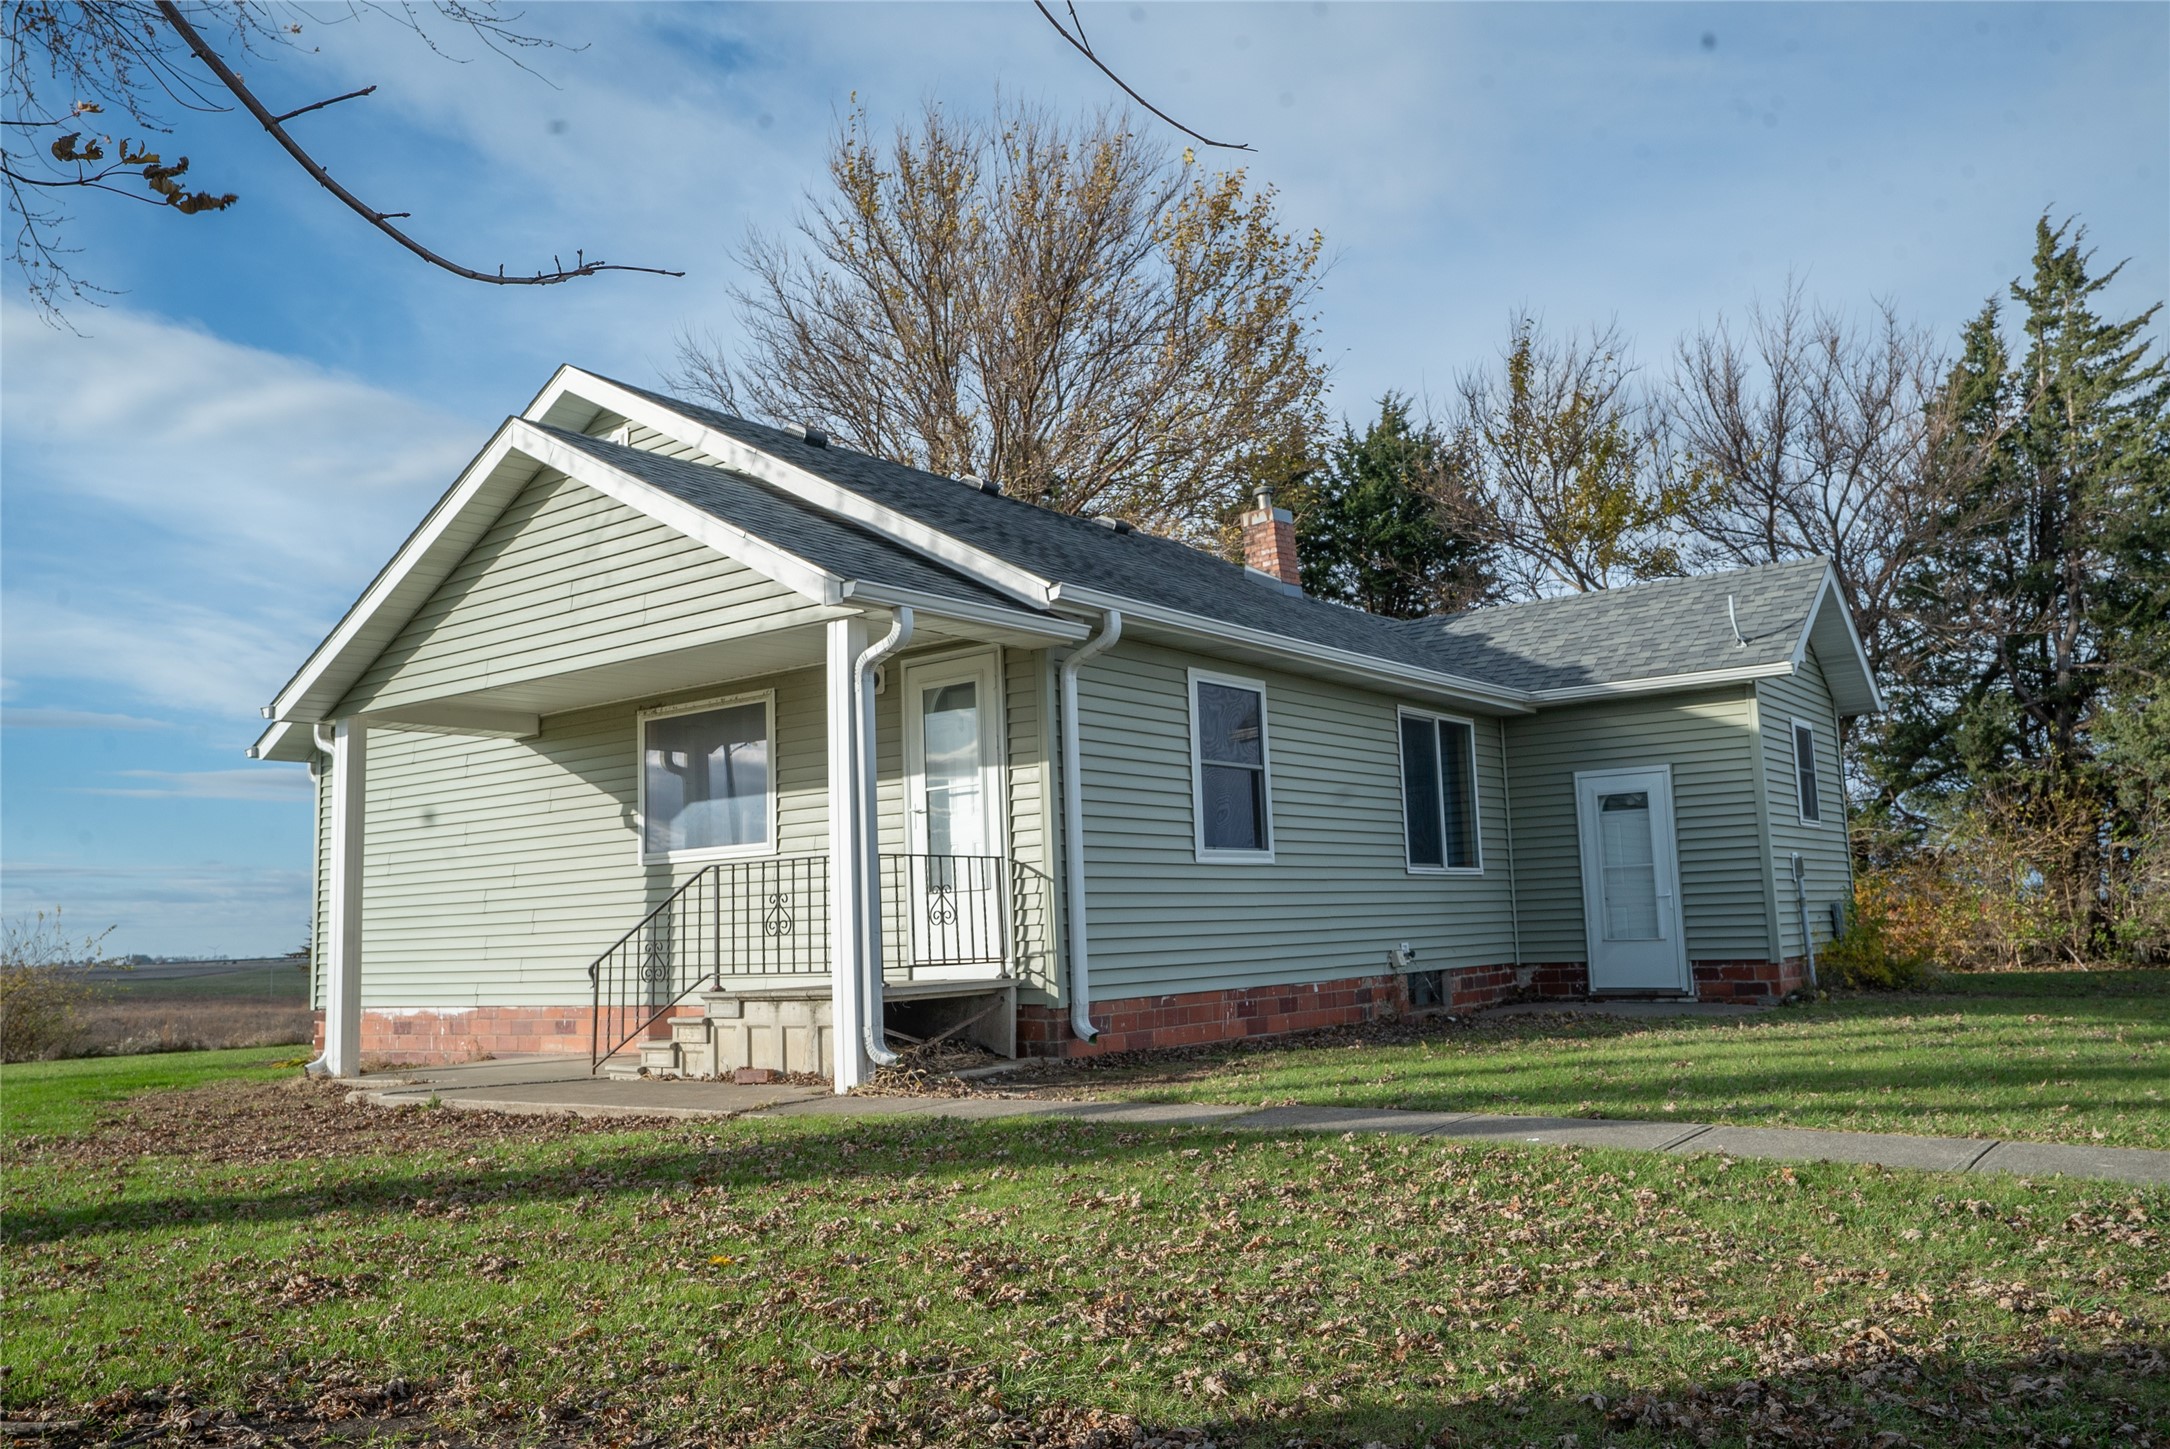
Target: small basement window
{"x":1439,"y":792}
{"x":707,"y":780}
{"x":1228,"y":758}
{"x":1804,"y":771}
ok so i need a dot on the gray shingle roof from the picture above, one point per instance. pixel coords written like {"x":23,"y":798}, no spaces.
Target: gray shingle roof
{"x":1649,"y":631}
{"x":836,"y":545}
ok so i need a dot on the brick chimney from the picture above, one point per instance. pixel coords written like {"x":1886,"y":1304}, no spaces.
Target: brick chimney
{"x":1269,"y":542}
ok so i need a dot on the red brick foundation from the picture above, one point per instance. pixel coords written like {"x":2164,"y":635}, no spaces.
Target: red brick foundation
{"x":435,"y":1037}
{"x":1191,"y":1018}
{"x":1747,"y":981}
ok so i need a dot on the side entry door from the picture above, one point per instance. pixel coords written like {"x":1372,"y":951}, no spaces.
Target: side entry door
{"x":1631,"y":881}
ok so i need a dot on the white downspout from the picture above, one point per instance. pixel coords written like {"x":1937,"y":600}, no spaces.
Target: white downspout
{"x":1073,"y":826}
{"x":870,"y":919}
{"x":322,"y":1065}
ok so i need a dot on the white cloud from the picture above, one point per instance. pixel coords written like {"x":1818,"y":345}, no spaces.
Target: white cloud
{"x":286,"y":786}
{"x":77,"y":719}
{"x":212,"y":507}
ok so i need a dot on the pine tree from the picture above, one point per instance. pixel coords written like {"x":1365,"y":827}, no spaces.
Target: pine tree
{"x":2044,"y":587}
{"x":1374,"y":529}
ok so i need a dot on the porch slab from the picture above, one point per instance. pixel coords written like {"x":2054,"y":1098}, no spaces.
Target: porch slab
{"x":1800,"y":1144}
{"x":2042,"y":1159}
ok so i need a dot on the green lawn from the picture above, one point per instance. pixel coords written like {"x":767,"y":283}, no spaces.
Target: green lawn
{"x":2065,"y":1056}
{"x":65,"y":1097}
{"x":272,"y":1250}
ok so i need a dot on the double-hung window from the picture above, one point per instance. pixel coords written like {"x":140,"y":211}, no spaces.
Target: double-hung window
{"x":1439,"y":792}
{"x":1230,"y":794}
{"x":1804,"y":772}
{"x":708,"y":780}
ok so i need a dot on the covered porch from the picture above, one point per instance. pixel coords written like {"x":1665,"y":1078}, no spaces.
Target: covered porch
{"x":842,"y":812}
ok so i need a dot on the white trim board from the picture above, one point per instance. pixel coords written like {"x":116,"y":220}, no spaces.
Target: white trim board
{"x":1218,"y":855}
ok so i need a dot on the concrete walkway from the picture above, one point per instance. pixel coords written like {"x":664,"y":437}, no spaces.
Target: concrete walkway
{"x":553,"y":1085}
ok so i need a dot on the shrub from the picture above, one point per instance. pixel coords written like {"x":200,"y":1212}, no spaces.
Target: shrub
{"x":44,"y":985}
{"x":1880,"y":948}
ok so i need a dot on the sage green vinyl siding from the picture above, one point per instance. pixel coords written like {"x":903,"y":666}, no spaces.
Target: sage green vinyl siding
{"x":1781,"y":701}
{"x":496,"y":870}
{"x":1708,"y":740}
{"x":569,"y":579}
{"x":1337,"y":896}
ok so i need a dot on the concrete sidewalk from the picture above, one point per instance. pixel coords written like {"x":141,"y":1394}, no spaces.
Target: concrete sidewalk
{"x":550,"y":1085}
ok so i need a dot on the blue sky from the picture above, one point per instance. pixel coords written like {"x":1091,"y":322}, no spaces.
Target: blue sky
{"x":192,"y":493}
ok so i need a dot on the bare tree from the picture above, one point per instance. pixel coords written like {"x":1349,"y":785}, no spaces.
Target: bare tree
{"x":71,"y":66}
{"x":1807,"y":435}
{"x":1101,"y":326}
{"x":1555,"y":451}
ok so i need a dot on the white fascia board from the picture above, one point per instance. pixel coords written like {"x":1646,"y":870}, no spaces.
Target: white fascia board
{"x":410,"y":557}
{"x":1509,"y":701}
{"x":1663,"y":683}
{"x":268,"y":743}
{"x":1830,"y":595}
{"x":977,"y":564}
{"x":758,"y":554}
{"x":1047,"y":626}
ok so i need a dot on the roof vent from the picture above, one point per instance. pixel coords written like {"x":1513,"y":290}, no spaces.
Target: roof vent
{"x":812,"y":437}
{"x":985,"y":485}
{"x":1118,"y":525}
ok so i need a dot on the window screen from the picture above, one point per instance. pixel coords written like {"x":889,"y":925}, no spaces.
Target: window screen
{"x":1804,"y":770}
{"x":705,"y":779}
{"x":1439,"y":792}
{"x":1231,"y":726}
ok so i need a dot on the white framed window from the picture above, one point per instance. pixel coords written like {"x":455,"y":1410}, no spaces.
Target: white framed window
{"x":1440,"y":826}
{"x":1804,"y":772}
{"x":1231,"y":792}
{"x":707,"y":786}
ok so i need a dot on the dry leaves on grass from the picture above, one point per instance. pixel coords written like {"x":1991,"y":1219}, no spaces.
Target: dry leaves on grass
{"x":286,"y":1121}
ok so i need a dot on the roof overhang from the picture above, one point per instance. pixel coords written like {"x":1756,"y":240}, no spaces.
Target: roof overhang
{"x":573,"y":399}
{"x":1846,"y":669}
{"x":517,"y":453}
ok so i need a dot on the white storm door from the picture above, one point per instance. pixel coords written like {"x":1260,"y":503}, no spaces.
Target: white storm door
{"x":1631,"y":880}
{"x":951,"y":888}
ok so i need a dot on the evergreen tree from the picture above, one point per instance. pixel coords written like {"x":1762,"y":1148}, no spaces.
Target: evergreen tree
{"x":1374,"y":525}
{"x":2043,"y":588}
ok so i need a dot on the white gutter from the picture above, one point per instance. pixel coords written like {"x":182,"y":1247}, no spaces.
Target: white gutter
{"x":1369,"y":666}
{"x":1073,"y":826}
{"x":870,"y":923}
{"x":321,"y":1067}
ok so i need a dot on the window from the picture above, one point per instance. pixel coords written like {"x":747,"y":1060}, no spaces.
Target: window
{"x":707,"y":786}
{"x":1228,"y":757}
{"x":1804,"y":771}
{"x":1439,"y":792}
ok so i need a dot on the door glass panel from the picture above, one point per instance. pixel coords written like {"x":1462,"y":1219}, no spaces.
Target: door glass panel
{"x":1629,"y":865}
{"x":950,"y":736}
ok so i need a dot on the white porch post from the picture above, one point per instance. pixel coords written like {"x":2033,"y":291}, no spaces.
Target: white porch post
{"x":847,"y":858}
{"x":343,"y":915}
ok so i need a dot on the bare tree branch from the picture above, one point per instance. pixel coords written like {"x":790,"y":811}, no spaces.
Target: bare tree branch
{"x":1084,"y":48}
{"x":320,"y":105}
{"x":377,"y":219}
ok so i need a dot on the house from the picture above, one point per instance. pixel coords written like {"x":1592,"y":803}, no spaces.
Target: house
{"x":684,"y":741}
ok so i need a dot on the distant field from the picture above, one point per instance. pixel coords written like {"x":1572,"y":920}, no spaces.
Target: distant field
{"x":199,"y":1006}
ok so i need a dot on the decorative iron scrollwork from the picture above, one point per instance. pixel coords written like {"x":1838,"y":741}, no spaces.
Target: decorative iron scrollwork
{"x":777,"y":920}
{"x":942,"y":906}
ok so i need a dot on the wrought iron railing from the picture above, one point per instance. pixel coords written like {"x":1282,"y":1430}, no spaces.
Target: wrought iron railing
{"x":941,"y":915}
{"x":767,"y":917}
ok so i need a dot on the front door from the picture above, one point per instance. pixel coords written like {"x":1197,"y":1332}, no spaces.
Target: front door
{"x":1631,"y":880}
{"x":952,"y":884}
